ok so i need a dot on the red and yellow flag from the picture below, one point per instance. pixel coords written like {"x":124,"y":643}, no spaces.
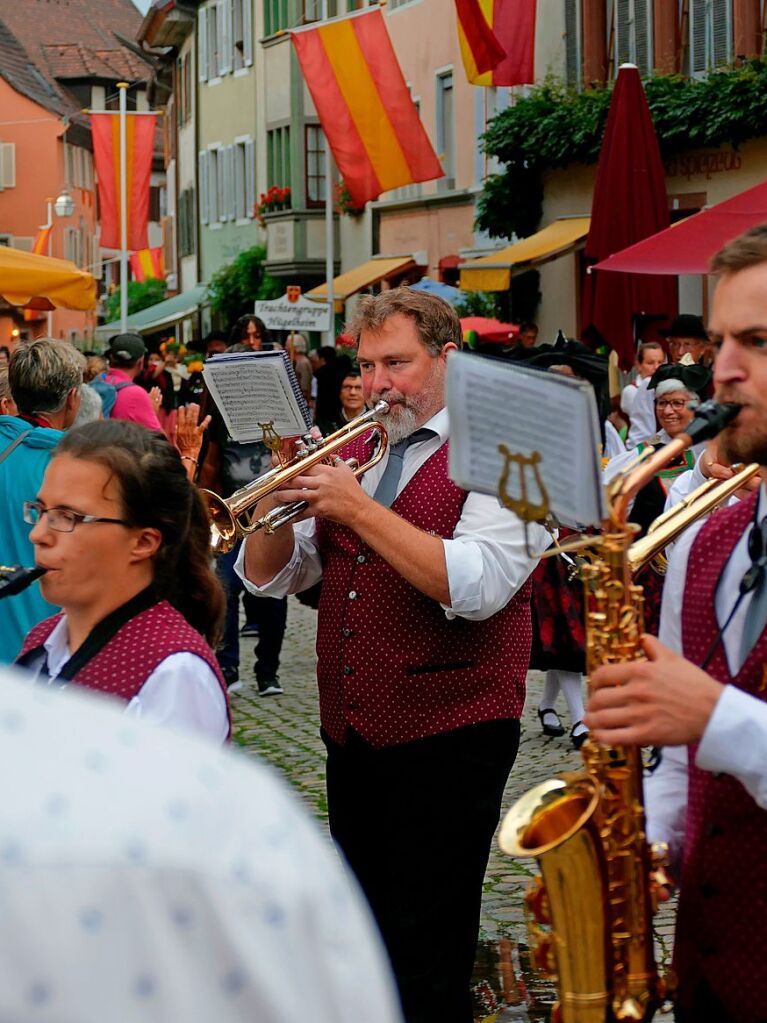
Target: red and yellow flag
{"x":497,"y":40}
{"x":146,"y":264}
{"x":40,"y":247}
{"x":365,"y":109}
{"x":139,"y":146}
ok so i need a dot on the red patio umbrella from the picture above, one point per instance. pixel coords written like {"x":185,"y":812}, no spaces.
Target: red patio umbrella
{"x":687,"y":247}
{"x":488,"y":329}
{"x":629,"y":204}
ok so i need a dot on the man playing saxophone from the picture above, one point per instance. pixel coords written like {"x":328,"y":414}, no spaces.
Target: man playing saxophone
{"x":423,"y":645}
{"x":702,"y":692}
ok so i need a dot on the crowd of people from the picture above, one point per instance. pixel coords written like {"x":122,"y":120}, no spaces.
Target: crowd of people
{"x":433,"y":603}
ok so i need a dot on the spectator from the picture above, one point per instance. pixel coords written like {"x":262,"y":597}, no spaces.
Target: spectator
{"x":251,"y":331}
{"x":528,"y":335}
{"x":45,"y":379}
{"x":5,"y":354}
{"x":95,"y":365}
{"x":154,"y":374}
{"x":296,"y":348}
{"x":214,"y":343}
{"x":90,"y":409}
{"x":7,"y":404}
{"x":329,"y":370}
{"x":352,"y":403}
{"x":126,"y":360}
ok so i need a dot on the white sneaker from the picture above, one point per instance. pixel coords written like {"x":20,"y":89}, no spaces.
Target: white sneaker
{"x":269,"y":687}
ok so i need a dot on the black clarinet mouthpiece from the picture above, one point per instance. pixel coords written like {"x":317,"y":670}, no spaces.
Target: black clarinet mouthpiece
{"x":710,"y":419}
{"x":16,"y":579}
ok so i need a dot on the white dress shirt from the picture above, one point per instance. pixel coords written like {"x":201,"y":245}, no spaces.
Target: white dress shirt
{"x":149,"y":877}
{"x":736,"y":735}
{"x":487,"y":559}
{"x":182,"y":691}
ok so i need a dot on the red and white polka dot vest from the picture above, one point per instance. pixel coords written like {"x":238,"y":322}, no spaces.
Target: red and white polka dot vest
{"x":390,"y":664}
{"x":123,"y":665}
{"x":723,"y":902}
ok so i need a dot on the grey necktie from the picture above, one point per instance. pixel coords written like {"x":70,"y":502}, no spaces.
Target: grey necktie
{"x":386,"y":491}
{"x":756,"y":615}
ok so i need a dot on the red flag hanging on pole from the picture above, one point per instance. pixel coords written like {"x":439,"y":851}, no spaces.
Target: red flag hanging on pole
{"x":497,"y":39}
{"x":139,"y":147}
{"x":146,"y":264}
{"x":365,"y":108}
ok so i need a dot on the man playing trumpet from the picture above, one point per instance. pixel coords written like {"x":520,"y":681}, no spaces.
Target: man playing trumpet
{"x":423,"y":645}
{"x":709,"y":795}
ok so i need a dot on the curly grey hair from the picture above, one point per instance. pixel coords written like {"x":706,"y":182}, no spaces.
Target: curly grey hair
{"x":42,"y":373}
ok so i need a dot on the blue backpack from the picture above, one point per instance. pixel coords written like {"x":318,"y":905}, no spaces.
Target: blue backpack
{"x":108,"y":392}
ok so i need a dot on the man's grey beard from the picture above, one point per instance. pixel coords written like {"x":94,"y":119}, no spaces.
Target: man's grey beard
{"x":400,"y":424}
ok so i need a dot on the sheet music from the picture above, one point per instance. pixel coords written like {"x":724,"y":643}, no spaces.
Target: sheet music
{"x":257,"y":387}
{"x":492,"y":402}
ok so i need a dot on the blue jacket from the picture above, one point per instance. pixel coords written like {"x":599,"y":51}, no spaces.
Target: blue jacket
{"x":21,"y":474}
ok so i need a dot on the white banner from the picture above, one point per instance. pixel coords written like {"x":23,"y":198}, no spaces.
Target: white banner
{"x":293,"y":312}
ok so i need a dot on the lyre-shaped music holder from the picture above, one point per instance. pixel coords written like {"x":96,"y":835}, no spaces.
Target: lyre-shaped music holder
{"x":272,"y":440}
{"x":523,"y":506}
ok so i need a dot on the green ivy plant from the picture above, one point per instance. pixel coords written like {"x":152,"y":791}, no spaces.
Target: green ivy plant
{"x":235,"y":287}
{"x":555,"y":126}
{"x":141,"y":295}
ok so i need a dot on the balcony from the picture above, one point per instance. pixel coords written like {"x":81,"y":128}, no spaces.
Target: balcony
{"x":295,"y":245}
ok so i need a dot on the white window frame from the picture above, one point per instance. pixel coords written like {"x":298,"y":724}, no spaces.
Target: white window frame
{"x":202,"y":44}
{"x":707,"y":9}
{"x":632,"y":15}
{"x":7,"y":165}
{"x":202,"y":186}
{"x":447,"y":183}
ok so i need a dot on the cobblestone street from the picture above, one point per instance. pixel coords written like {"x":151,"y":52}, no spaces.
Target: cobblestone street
{"x":285,"y":731}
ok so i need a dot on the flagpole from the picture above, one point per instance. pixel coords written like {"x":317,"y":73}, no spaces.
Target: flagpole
{"x":49,"y":229}
{"x":123,"y":87}
{"x":329,"y":234}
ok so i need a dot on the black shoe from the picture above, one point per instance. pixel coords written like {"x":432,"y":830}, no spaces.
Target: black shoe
{"x":269,"y":686}
{"x":232,"y":679}
{"x":553,"y":730}
{"x":579,"y":739}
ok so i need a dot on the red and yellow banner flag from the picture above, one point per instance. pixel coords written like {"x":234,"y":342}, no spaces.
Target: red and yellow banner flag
{"x":139,"y":146}
{"x":40,"y":247}
{"x":365,"y":108}
{"x":146,"y":264}
{"x":486,"y":27}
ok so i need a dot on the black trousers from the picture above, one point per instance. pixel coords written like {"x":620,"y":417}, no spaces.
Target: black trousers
{"x":415,"y":823}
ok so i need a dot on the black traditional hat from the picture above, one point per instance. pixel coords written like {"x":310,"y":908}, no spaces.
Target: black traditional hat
{"x":566,"y":352}
{"x":686,"y":325}
{"x":695,"y":378}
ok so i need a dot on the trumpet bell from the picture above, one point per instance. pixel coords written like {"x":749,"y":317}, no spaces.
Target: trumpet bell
{"x":223,"y":526}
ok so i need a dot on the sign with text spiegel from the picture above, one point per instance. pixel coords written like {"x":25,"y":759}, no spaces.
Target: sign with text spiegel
{"x":293,"y":312}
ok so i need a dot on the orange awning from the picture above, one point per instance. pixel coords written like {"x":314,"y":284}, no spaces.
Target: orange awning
{"x":24,"y":276}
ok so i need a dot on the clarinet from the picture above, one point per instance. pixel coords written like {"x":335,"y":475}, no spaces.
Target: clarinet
{"x":15,"y":579}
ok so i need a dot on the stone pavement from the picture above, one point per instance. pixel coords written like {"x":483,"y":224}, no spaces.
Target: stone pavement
{"x":285,"y":731}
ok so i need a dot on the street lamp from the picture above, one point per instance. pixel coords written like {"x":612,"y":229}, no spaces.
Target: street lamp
{"x":64,"y":205}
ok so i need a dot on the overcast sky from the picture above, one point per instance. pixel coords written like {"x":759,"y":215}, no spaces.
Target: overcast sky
{"x":142,"y":5}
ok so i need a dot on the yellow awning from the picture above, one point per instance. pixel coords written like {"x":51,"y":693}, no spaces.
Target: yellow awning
{"x":493,"y":272}
{"x":24,"y":276}
{"x":374,"y":270}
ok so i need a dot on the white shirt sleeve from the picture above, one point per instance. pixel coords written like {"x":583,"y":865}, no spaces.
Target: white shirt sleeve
{"x":643,"y":423}
{"x":627,"y":398}
{"x":183,"y":692}
{"x":735,"y":740}
{"x":487,"y":559}
{"x":304,"y":568}
{"x":665,"y":792}
{"x":613,"y":441}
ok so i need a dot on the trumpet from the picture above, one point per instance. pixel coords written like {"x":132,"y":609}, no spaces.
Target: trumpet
{"x":230,"y":518}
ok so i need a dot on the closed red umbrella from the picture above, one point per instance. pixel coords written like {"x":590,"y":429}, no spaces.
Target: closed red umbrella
{"x":629,"y":204}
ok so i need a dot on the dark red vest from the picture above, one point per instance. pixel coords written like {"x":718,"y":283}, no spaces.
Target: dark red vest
{"x":123,"y":665}
{"x":390,"y":664}
{"x":722,"y":919}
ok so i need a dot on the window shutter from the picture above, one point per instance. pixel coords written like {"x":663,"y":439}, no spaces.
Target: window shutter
{"x":643,"y":35}
{"x":238,"y":152}
{"x":623,"y":48}
{"x":572,"y":43}
{"x":214,"y":186}
{"x":224,"y":36}
{"x":247,"y":32}
{"x":250,"y":177}
{"x":202,"y":47}
{"x":698,"y":34}
{"x":202,"y":163}
{"x":8,"y":164}
{"x":721,"y":31}
{"x":231,"y":193}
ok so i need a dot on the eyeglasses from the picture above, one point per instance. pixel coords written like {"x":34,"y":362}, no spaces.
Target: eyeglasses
{"x":677,"y":404}
{"x":63,"y":520}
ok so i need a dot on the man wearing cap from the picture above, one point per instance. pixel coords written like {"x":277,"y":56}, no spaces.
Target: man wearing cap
{"x":126,"y":360}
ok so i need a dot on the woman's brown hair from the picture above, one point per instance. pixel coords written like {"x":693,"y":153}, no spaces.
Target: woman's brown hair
{"x":156,"y":493}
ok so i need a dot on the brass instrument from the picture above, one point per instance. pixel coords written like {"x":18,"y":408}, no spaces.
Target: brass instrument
{"x":587,"y":830}
{"x":230,"y":518}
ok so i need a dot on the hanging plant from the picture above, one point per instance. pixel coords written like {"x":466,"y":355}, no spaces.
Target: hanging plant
{"x":343,"y":202}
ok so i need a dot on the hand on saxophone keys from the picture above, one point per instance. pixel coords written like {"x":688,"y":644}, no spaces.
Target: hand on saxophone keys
{"x":662,"y":701}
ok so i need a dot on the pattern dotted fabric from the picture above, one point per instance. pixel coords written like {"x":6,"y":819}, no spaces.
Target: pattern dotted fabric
{"x":149,"y":877}
{"x":123,"y":665}
{"x":723,"y":903}
{"x":390,"y":664}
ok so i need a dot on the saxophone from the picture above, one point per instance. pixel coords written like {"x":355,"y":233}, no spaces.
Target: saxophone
{"x":598,"y":886}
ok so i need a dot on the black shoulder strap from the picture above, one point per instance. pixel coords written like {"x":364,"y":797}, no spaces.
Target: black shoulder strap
{"x":14,"y":444}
